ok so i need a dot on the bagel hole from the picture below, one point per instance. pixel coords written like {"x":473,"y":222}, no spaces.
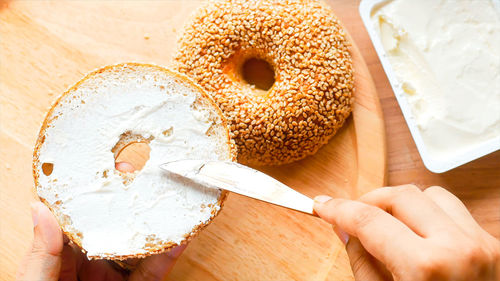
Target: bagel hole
{"x":258,"y":72}
{"x":47,"y":168}
{"x":134,"y":153}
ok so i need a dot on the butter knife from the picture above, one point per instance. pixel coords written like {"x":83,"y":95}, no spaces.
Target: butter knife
{"x":240,"y":179}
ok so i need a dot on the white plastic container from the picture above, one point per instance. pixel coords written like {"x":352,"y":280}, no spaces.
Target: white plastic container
{"x":431,"y":162}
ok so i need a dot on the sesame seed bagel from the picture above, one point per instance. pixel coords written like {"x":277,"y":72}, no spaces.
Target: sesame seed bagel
{"x":115,"y":215}
{"x":307,"y":49}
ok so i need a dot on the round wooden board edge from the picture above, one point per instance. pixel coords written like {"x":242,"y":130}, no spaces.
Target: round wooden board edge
{"x":371,"y":155}
{"x":370,"y":132}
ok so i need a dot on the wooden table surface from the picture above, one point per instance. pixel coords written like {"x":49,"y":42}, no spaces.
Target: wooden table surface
{"x":476,"y":183}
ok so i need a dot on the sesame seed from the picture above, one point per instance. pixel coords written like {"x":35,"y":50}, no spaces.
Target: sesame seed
{"x":306,"y":46}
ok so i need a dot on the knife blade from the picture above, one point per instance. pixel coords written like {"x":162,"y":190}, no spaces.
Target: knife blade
{"x":238,"y":178}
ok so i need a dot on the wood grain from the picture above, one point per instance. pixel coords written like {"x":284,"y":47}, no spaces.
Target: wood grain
{"x":39,"y":58}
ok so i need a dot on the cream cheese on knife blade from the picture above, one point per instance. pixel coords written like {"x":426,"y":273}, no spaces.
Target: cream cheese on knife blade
{"x":446,"y":56}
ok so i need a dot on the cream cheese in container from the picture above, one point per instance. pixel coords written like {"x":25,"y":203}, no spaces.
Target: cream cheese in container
{"x":442,"y":58}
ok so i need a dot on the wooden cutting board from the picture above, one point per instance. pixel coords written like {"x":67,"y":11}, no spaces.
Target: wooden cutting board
{"x":46,"y":46}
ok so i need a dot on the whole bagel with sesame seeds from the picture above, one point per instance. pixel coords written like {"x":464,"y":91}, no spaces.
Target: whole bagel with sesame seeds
{"x":280,"y":71}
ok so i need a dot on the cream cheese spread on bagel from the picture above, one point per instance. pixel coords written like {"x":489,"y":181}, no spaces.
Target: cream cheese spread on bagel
{"x":110,"y":214}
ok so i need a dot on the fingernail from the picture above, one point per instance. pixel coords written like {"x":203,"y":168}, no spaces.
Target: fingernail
{"x":124,"y":167}
{"x":34,"y":214}
{"x":322,"y":199}
{"x":343,"y":236}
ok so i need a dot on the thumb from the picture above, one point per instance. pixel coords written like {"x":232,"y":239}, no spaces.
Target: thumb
{"x":156,"y":267}
{"x":43,"y":262}
{"x":364,"y":266}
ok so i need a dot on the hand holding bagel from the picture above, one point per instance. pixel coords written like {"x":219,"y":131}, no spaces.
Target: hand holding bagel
{"x":52,"y":257}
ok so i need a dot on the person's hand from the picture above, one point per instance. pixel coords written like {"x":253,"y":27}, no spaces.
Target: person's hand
{"x":403,"y":233}
{"x":52,"y":257}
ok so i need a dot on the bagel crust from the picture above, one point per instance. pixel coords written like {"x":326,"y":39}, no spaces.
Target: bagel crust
{"x":115,"y":215}
{"x":308,"y":50}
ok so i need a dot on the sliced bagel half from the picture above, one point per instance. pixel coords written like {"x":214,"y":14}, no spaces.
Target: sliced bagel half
{"x":116,"y":215}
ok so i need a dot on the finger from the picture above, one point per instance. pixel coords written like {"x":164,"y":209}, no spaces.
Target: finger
{"x":343,"y":236}
{"x":98,"y":270}
{"x":124,"y":167}
{"x":127,"y":265}
{"x":68,"y":267}
{"x":454,"y":208}
{"x":408,"y":204}
{"x":44,"y":260}
{"x":78,"y":255}
{"x":158,"y":266}
{"x":365,"y":266}
{"x":382,"y":235}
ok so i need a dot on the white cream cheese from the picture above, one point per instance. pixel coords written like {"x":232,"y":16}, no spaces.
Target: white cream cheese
{"x":115,"y":218}
{"x":446,"y":56}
